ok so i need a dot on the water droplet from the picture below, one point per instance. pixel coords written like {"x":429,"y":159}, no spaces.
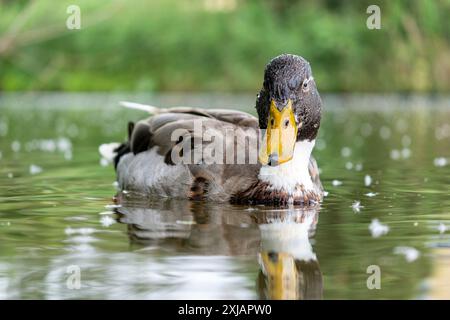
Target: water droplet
{"x":367,"y":180}
{"x":346,"y":152}
{"x":378,"y":229}
{"x":34,"y":169}
{"x":385,"y":133}
{"x":440,"y":162}
{"x":395,"y":154}
{"x":15,"y":146}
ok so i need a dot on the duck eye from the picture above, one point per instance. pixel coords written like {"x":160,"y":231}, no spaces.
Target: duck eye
{"x":272,"y":122}
{"x":305,"y":85}
{"x":286,"y":123}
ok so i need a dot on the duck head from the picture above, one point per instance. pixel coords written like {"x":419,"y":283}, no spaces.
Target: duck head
{"x":289,"y":108}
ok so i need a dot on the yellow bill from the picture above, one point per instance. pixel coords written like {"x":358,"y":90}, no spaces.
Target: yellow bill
{"x":279,"y":140}
{"x":281,"y":276}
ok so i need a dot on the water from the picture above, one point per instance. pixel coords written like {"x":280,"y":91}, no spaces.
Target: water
{"x":57,"y":219}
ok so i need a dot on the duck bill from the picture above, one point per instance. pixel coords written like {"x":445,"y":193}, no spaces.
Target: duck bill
{"x":281,"y":276}
{"x":278,"y":142}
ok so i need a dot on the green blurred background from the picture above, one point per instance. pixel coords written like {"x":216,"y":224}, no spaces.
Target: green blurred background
{"x":222,"y":45}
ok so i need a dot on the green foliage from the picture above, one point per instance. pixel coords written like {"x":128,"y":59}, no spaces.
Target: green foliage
{"x":189,"y":46}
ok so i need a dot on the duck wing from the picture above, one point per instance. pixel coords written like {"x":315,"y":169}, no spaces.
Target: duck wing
{"x":215,"y":175}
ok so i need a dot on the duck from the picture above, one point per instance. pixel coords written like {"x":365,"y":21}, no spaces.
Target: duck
{"x":225,"y":155}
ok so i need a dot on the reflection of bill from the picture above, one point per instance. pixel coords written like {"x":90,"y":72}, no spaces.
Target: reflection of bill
{"x":289,"y":267}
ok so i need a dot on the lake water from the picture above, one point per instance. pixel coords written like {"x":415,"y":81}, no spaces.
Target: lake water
{"x":384,"y":163}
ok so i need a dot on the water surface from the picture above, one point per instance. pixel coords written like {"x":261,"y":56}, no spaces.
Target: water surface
{"x":57,"y":214}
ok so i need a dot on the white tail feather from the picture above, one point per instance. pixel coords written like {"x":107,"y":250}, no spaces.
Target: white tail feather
{"x":107,"y":151}
{"x":143,"y":107}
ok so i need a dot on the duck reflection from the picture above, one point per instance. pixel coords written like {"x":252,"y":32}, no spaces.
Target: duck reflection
{"x":288,"y":265}
{"x":189,"y":227}
{"x":279,"y":238}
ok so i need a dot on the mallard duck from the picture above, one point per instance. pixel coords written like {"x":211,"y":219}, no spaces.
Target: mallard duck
{"x":282,"y":137}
